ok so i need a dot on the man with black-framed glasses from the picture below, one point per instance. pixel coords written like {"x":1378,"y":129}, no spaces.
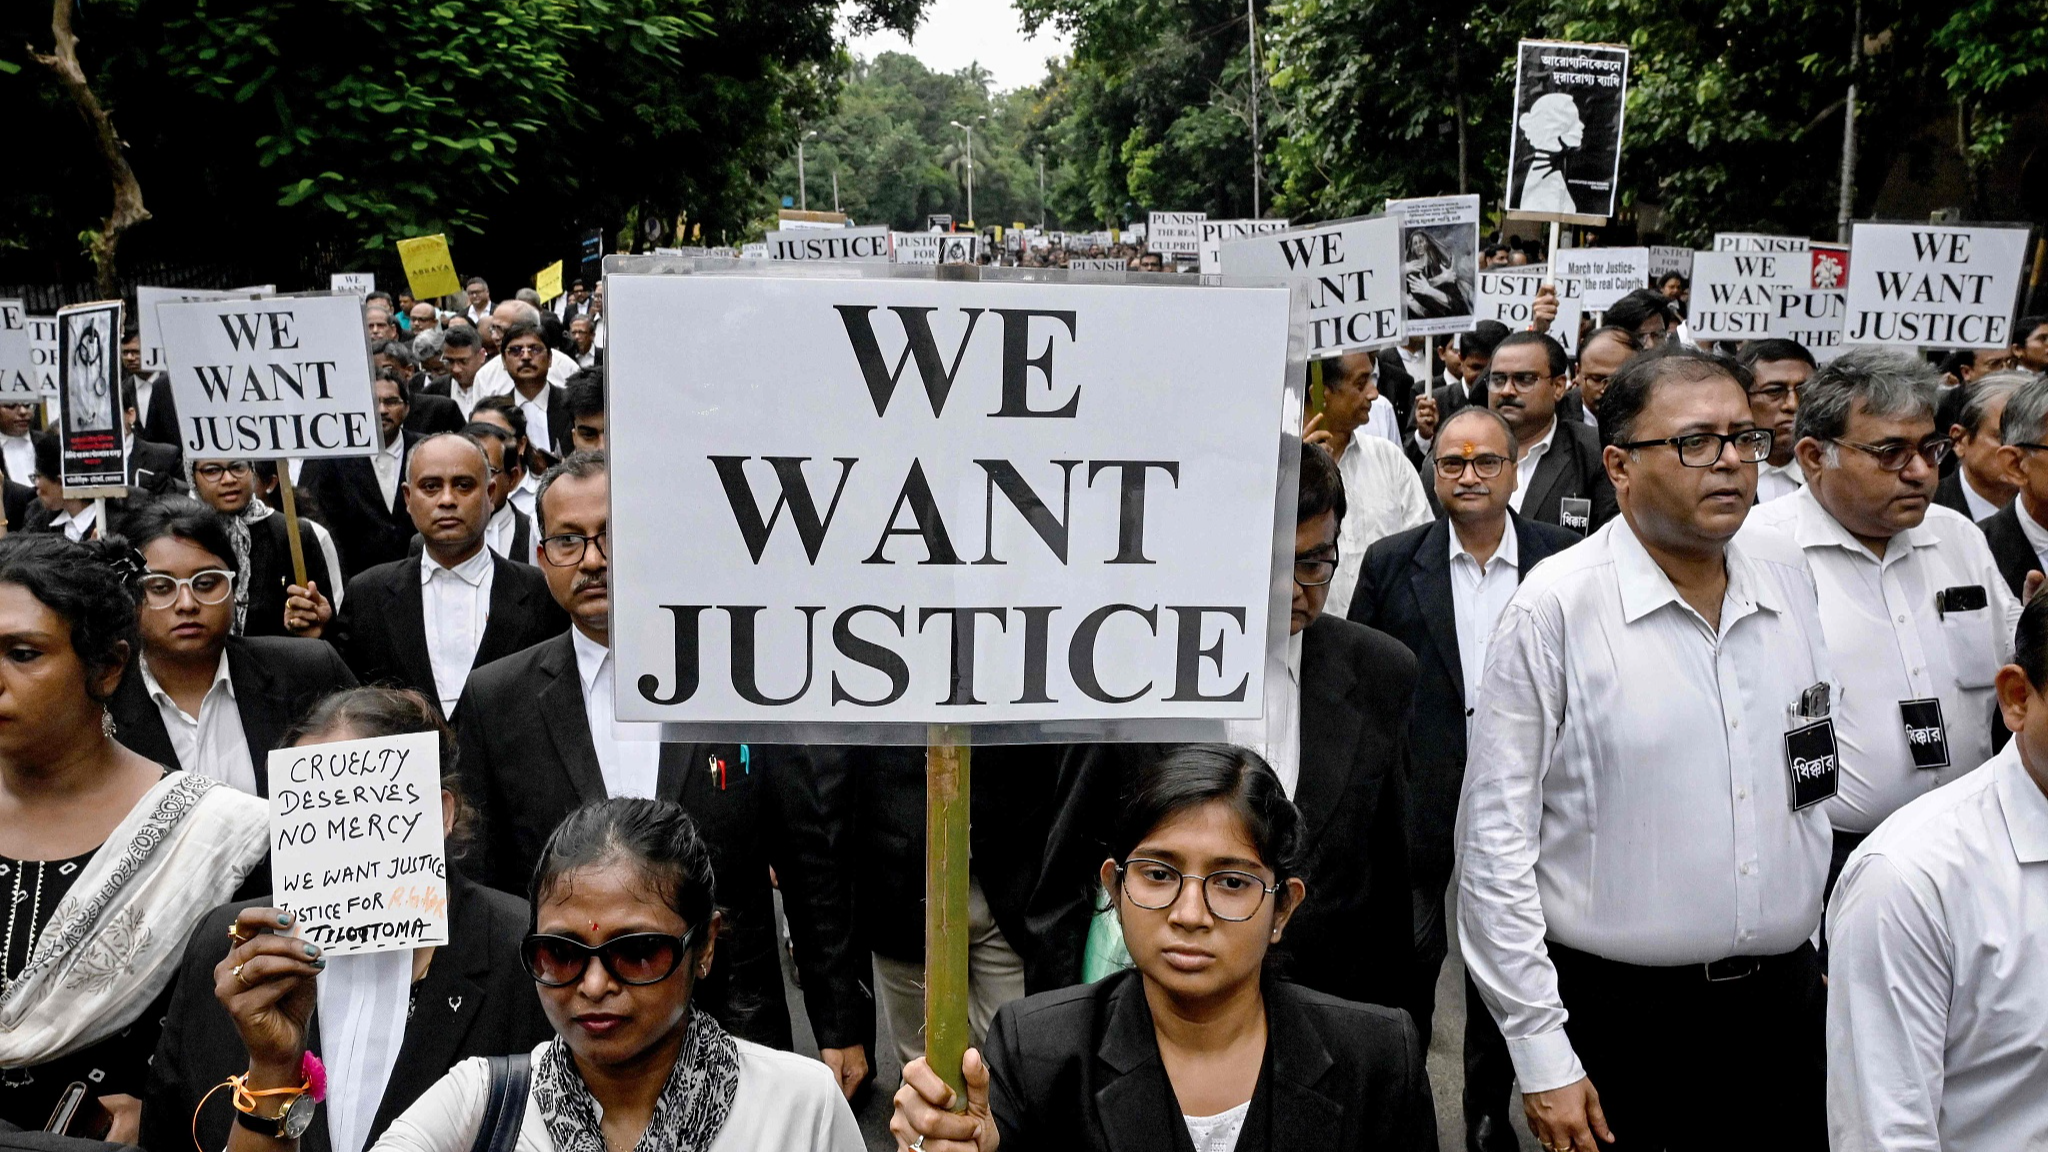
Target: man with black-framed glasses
{"x":1778,"y":370}
{"x":2018,"y":535}
{"x":1915,"y":613}
{"x":1559,"y":478}
{"x":1641,"y":844}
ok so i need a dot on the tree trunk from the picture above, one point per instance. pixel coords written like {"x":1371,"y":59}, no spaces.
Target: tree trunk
{"x":1458,"y":95}
{"x":127,"y":210}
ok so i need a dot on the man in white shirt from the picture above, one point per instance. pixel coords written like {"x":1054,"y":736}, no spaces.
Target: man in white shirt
{"x":509,"y":532}
{"x":1382,"y":493}
{"x":1778,"y":370}
{"x":462,"y":353}
{"x":479,"y":294}
{"x":1937,"y":996}
{"x":1980,"y":486}
{"x":17,"y":451}
{"x":2018,"y":534}
{"x":1641,"y":844}
{"x":495,"y":378}
{"x":1915,"y":613}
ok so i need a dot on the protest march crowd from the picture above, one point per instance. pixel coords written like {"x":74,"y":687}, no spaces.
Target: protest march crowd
{"x":1689,"y":677}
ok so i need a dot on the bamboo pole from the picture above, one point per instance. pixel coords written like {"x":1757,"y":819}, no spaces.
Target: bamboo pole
{"x":945,"y":910}
{"x":291,"y":525}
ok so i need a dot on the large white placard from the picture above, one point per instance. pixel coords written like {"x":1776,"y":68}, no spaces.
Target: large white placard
{"x":1215,"y":232}
{"x":1564,"y":149}
{"x":1758,"y":242}
{"x":1351,"y":271}
{"x":1604,"y":274}
{"x":1091,"y":264}
{"x":1508,"y":295}
{"x":1175,"y":234}
{"x":17,"y":354}
{"x":42,"y":350}
{"x":1934,"y":285}
{"x":150,"y":329}
{"x":1440,"y":262}
{"x":966,"y":502}
{"x":1735,"y":293}
{"x":356,"y":849}
{"x":868,"y":245}
{"x":1666,"y":259}
{"x":285,"y":377}
{"x":935,"y":247}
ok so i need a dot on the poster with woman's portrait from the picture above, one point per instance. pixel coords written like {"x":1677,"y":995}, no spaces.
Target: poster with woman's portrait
{"x":93,"y":440}
{"x":1439,"y":262}
{"x":1564,"y":152}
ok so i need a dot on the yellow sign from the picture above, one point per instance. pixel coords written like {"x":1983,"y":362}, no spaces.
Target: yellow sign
{"x":428,"y":266}
{"x":548,"y":282}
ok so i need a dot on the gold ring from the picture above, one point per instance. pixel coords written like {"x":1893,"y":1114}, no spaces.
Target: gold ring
{"x":244,"y":980}
{"x":235,"y":932}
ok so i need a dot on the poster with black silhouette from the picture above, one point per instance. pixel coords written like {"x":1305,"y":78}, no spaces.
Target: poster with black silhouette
{"x":1564,"y":149}
{"x":93,"y":441}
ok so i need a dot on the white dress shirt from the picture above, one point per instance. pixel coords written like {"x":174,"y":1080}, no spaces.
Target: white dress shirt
{"x":212,"y":743}
{"x":1774,"y":480}
{"x":536,"y":411}
{"x":1380,"y":421}
{"x":493,"y":380}
{"x":389,"y":463}
{"x":1479,"y":594}
{"x":1417,"y":362}
{"x":525,"y":498}
{"x":79,"y":525}
{"x":18,"y":455}
{"x":1937,"y":995}
{"x":1980,"y":508}
{"x":1382,"y":496}
{"x":1525,"y":468}
{"x":2037,"y":536}
{"x":502,"y":527}
{"x":1890,"y":645}
{"x":466,"y":398}
{"x":628,"y":755}
{"x":458,"y":607}
{"x":1627,"y":792}
{"x":145,"y":387}
{"x":1276,"y":735}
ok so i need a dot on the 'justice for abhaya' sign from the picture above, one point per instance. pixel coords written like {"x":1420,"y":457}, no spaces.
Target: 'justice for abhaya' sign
{"x":1938,"y":285}
{"x":987,"y":514}
{"x":284,"y":377}
{"x":355,"y":842}
{"x":1351,"y":271}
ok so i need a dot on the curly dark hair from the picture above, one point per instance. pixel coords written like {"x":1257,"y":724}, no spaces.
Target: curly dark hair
{"x":91,"y":584}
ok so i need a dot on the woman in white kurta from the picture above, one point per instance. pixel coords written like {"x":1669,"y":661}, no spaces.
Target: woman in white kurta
{"x":624,"y":928}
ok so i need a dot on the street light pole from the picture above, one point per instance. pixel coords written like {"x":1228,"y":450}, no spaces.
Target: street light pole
{"x":1041,"y":188}
{"x":969,"y":129}
{"x":803,"y":200}
{"x":1258,"y":176}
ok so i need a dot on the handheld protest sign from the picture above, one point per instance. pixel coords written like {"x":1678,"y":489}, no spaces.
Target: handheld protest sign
{"x":150,"y":331}
{"x":42,"y":352}
{"x":429,"y":267}
{"x":284,"y":378}
{"x":870,"y":244}
{"x":1758,"y":242}
{"x":17,"y":355}
{"x":356,"y":845}
{"x":1935,"y":285}
{"x":1564,"y":148}
{"x":1215,"y":232}
{"x":1605,"y":275}
{"x":1508,"y":296}
{"x":1440,"y":262}
{"x":360,"y":283}
{"x":92,"y":437}
{"x":547,"y":283}
{"x":1351,"y":271}
{"x":1177,"y":235}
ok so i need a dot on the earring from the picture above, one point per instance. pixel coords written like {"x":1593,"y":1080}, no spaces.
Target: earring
{"x":106,"y":722}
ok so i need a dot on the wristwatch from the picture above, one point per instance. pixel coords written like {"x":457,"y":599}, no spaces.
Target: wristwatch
{"x":289,"y":1124}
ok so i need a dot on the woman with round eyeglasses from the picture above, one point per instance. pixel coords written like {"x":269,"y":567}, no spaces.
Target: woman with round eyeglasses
{"x":262,"y":549}
{"x":199,"y":697}
{"x":1198,"y":1034}
{"x":625,"y":925}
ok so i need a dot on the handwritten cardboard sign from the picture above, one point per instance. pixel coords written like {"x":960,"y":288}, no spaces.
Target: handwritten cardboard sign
{"x":356,"y":845}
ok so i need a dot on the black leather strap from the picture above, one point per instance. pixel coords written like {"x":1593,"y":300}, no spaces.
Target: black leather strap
{"x":506,"y":1106}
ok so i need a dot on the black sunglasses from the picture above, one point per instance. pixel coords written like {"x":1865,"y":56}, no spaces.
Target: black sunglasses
{"x":636,"y":958}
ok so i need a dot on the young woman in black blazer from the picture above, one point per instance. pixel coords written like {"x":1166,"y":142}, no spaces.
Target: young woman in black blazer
{"x":1198,"y":1049}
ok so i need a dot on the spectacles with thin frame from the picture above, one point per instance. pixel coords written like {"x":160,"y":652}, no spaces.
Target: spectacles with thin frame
{"x":1487,"y":465}
{"x":1776,"y":393}
{"x":526,"y":351}
{"x":1703,"y":449}
{"x":566,"y":550}
{"x":1893,"y":456}
{"x":1231,"y":894}
{"x":208,"y":587}
{"x":635,"y":958}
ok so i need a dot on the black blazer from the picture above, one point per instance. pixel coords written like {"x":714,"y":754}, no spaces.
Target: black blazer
{"x":270,"y":572}
{"x":1571,"y":467}
{"x":475,"y":1000}
{"x":157,"y":469}
{"x":1354,"y":937}
{"x":366,"y":531}
{"x":20,"y":502}
{"x":432,"y":414}
{"x":527,"y":761}
{"x":2009,"y":546}
{"x":1404,"y":590}
{"x":1079,"y":1068}
{"x":276,"y":679}
{"x":1949,"y":494}
{"x":382,"y":630}
{"x":1398,"y":387}
{"x":160,"y":423}
{"x":558,"y":416}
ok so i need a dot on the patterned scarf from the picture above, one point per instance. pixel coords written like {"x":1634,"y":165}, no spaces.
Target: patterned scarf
{"x":237,"y":524}
{"x":687,"y":1118}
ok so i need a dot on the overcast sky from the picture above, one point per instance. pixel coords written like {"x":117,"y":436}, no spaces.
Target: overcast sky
{"x":956,"y":33}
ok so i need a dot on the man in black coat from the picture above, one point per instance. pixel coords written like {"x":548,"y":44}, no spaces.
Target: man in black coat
{"x":383,"y":630}
{"x":1562,"y":478}
{"x":154,"y":469}
{"x":1347,"y":770}
{"x":359,"y":496}
{"x":157,"y":412}
{"x":1408,"y":590}
{"x":2025,"y":421}
{"x":529,"y":756}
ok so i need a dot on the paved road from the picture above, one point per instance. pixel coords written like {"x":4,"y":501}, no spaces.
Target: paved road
{"x":1446,"y":1072}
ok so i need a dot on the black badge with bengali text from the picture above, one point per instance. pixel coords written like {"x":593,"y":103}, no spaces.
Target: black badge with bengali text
{"x":1811,"y":763}
{"x":1575,"y":513}
{"x":1926,"y":736}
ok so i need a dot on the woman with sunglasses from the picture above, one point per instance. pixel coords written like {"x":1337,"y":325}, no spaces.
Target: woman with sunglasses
{"x":1199,"y":1036}
{"x":387,"y":1027}
{"x":625,"y":925}
{"x":200,"y":697}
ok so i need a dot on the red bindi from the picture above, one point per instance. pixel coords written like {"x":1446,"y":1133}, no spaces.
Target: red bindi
{"x":593,"y":925}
